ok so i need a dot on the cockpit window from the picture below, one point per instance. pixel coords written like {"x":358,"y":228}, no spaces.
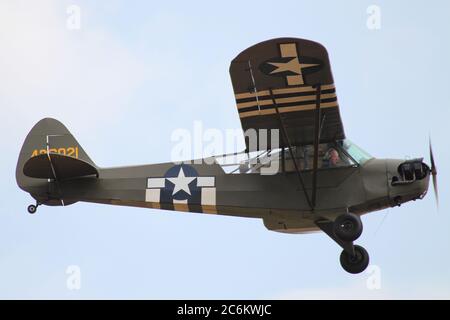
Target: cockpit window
{"x":358,"y":154}
{"x":331,"y":155}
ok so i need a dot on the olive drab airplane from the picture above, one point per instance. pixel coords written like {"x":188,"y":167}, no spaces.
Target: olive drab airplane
{"x":323,"y":181}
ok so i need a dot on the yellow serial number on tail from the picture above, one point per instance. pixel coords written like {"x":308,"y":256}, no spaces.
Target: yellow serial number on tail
{"x":69,"y":151}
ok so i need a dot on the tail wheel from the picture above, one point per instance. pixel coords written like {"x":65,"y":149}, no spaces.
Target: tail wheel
{"x":348,"y":227}
{"x":32,"y":209}
{"x":356,"y":263}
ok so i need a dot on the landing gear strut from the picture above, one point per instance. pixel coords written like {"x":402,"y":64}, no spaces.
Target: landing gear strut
{"x":344,"y":230}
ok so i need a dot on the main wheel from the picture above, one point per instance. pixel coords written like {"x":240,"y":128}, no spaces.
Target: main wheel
{"x":348,"y":227}
{"x":32,"y":209}
{"x":357,"y":263}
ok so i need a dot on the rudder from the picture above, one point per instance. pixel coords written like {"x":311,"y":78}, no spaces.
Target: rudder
{"x":48,"y":135}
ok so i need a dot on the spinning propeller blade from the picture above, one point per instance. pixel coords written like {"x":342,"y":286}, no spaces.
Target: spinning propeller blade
{"x":434,"y":174}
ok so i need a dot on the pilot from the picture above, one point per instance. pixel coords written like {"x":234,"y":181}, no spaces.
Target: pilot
{"x":332,"y":158}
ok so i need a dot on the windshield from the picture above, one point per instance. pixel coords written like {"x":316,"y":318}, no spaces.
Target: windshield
{"x":358,"y":154}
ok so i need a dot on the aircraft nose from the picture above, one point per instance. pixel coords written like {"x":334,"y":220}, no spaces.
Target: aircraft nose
{"x":409,"y":180}
{"x":410,"y":171}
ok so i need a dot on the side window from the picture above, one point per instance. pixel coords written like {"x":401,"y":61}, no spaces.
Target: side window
{"x":330,"y":156}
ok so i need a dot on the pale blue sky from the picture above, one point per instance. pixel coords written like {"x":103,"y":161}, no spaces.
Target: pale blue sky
{"x":136,"y":71}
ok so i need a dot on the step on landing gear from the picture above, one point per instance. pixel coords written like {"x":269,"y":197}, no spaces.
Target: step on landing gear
{"x":345,"y":229}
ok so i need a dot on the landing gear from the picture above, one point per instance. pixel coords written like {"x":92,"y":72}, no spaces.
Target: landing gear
{"x":345,"y":229}
{"x":348,"y":227}
{"x":32,"y":209}
{"x":355,"y":263}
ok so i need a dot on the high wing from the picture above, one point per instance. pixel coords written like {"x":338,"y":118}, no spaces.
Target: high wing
{"x":277,"y":79}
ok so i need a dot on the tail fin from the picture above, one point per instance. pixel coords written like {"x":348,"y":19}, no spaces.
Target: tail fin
{"x":47,"y":136}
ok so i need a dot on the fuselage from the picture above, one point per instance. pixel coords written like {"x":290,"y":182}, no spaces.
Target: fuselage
{"x":205,"y":188}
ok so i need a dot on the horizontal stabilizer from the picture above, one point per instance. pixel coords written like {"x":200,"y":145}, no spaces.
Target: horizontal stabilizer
{"x":57,"y":166}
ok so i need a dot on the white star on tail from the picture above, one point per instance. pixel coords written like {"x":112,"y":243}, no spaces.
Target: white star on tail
{"x":181,"y":182}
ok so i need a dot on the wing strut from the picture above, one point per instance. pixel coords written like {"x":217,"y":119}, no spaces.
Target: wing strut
{"x":316,"y":144}
{"x":286,"y":138}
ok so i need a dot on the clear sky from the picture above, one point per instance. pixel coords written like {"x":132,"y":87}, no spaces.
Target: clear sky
{"x":136,"y":71}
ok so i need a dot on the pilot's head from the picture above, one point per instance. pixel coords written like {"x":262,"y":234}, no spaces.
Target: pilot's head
{"x":333,"y":156}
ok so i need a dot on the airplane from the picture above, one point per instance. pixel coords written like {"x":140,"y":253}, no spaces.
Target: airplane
{"x":322,"y":182}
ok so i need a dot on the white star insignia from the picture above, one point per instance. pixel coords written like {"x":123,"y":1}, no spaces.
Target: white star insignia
{"x":181,"y":182}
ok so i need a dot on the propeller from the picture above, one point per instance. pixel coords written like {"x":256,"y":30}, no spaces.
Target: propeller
{"x":434,"y":174}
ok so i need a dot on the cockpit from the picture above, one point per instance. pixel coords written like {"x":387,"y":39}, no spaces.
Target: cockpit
{"x":341,"y":153}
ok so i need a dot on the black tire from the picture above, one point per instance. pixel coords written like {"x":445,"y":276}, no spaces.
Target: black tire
{"x":32,"y":209}
{"x":348,"y":227}
{"x":357,"y":263}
